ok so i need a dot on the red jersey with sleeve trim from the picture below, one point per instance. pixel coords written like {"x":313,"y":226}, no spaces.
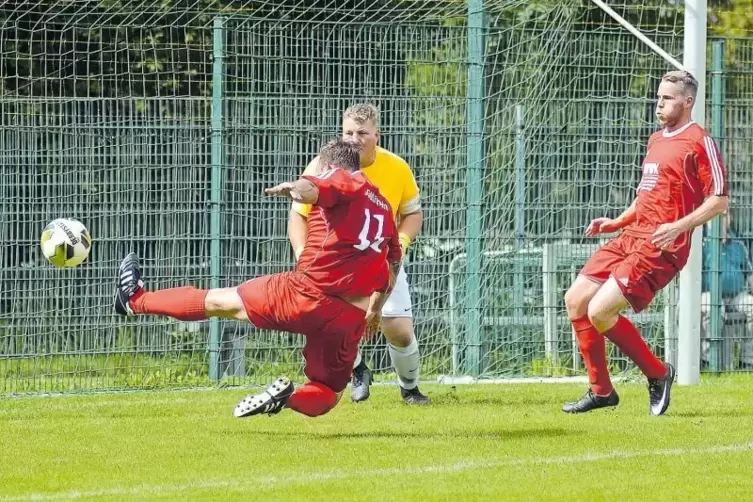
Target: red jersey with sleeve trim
{"x":670,"y":187}
{"x":351,"y":236}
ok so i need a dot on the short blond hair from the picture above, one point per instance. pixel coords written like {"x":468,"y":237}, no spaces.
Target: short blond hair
{"x":685,"y":79}
{"x":363,"y":112}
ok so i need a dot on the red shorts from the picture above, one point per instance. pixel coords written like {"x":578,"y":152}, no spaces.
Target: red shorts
{"x":640,"y":268}
{"x":332,"y":327}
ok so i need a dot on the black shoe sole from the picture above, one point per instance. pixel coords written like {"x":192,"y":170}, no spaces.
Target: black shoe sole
{"x":608,"y":407}
{"x":119,"y":307}
{"x":121,"y":299}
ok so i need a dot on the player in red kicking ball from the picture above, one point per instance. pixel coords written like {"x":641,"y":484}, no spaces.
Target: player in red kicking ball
{"x":343,"y":277}
{"x":682,"y":187}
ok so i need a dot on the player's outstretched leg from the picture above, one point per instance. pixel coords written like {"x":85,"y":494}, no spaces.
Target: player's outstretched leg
{"x":658,"y":391}
{"x":184,"y":303}
{"x":361,"y":380}
{"x":271,"y":401}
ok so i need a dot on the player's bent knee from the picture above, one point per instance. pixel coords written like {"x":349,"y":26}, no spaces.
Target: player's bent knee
{"x":574,"y":304}
{"x":313,"y":399}
{"x":606,"y":305}
{"x":600,"y":318}
{"x":576,"y":300}
{"x":398,"y":330}
{"x":225,"y":303}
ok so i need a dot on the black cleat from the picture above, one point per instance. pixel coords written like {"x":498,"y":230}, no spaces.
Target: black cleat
{"x":271,"y":401}
{"x":129,"y":283}
{"x":414,"y":396}
{"x":360,"y":383}
{"x":658,"y":392}
{"x":591,"y":401}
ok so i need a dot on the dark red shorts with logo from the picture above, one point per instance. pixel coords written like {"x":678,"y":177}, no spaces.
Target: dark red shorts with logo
{"x":640,"y":268}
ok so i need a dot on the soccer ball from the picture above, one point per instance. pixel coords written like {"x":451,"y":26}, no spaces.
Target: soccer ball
{"x":65,"y":242}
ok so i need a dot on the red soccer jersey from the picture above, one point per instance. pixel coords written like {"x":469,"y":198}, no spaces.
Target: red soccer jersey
{"x":670,"y":188}
{"x":351,"y":237}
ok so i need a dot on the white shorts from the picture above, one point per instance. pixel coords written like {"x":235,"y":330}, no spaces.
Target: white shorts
{"x":399,"y":304}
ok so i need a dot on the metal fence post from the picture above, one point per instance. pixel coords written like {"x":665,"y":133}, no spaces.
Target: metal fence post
{"x":215,"y":222}
{"x":474,"y":179}
{"x":716,"y":328}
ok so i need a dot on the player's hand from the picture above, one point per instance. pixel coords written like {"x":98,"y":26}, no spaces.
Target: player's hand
{"x":665,"y":235}
{"x":283,"y":189}
{"x":286,"y":189}
{"x":601,"y":226}
{"x":373,"y":320}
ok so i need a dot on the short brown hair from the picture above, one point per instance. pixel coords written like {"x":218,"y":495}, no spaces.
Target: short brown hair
{"x":685,"y":79}
{"x":341,"y":153}
{"x":363,"y":112}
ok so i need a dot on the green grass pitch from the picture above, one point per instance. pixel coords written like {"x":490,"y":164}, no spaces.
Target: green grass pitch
{"x":476,"y":442}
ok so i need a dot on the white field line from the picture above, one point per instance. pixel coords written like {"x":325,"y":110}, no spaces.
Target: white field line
{"x":309,"y":478}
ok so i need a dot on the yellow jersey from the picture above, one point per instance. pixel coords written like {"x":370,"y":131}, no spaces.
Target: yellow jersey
{"x":393,"y":177}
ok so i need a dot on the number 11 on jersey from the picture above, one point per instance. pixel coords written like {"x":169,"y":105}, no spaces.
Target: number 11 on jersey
{"x":364,"y":235}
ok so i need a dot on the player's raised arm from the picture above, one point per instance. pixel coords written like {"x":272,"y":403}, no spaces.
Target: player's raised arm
{"x":333,"y":186}
{"x":302,"y":191}
{"x":326,"y":189}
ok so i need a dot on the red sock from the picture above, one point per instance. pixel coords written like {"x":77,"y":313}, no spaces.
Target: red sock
{"x":185,"y":304}
{"x":593,"y":347}
{"x":312,"y":399}
{"x":629,"y":340}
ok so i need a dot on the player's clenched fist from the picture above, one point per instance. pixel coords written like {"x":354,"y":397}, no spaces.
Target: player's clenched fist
{"x":601,"y":226}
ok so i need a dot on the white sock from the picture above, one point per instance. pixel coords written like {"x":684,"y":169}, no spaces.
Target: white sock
{"x":406,"y":361}
{"x":358,"y":359}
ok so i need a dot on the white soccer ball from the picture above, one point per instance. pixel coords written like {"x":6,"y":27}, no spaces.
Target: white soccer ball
{"x":65,"y":242}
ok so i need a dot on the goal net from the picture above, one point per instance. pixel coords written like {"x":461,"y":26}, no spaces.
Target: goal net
{"x":158,"y":123}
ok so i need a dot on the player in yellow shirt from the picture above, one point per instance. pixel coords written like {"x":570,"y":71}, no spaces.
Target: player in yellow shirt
{"x":396,"y":183}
